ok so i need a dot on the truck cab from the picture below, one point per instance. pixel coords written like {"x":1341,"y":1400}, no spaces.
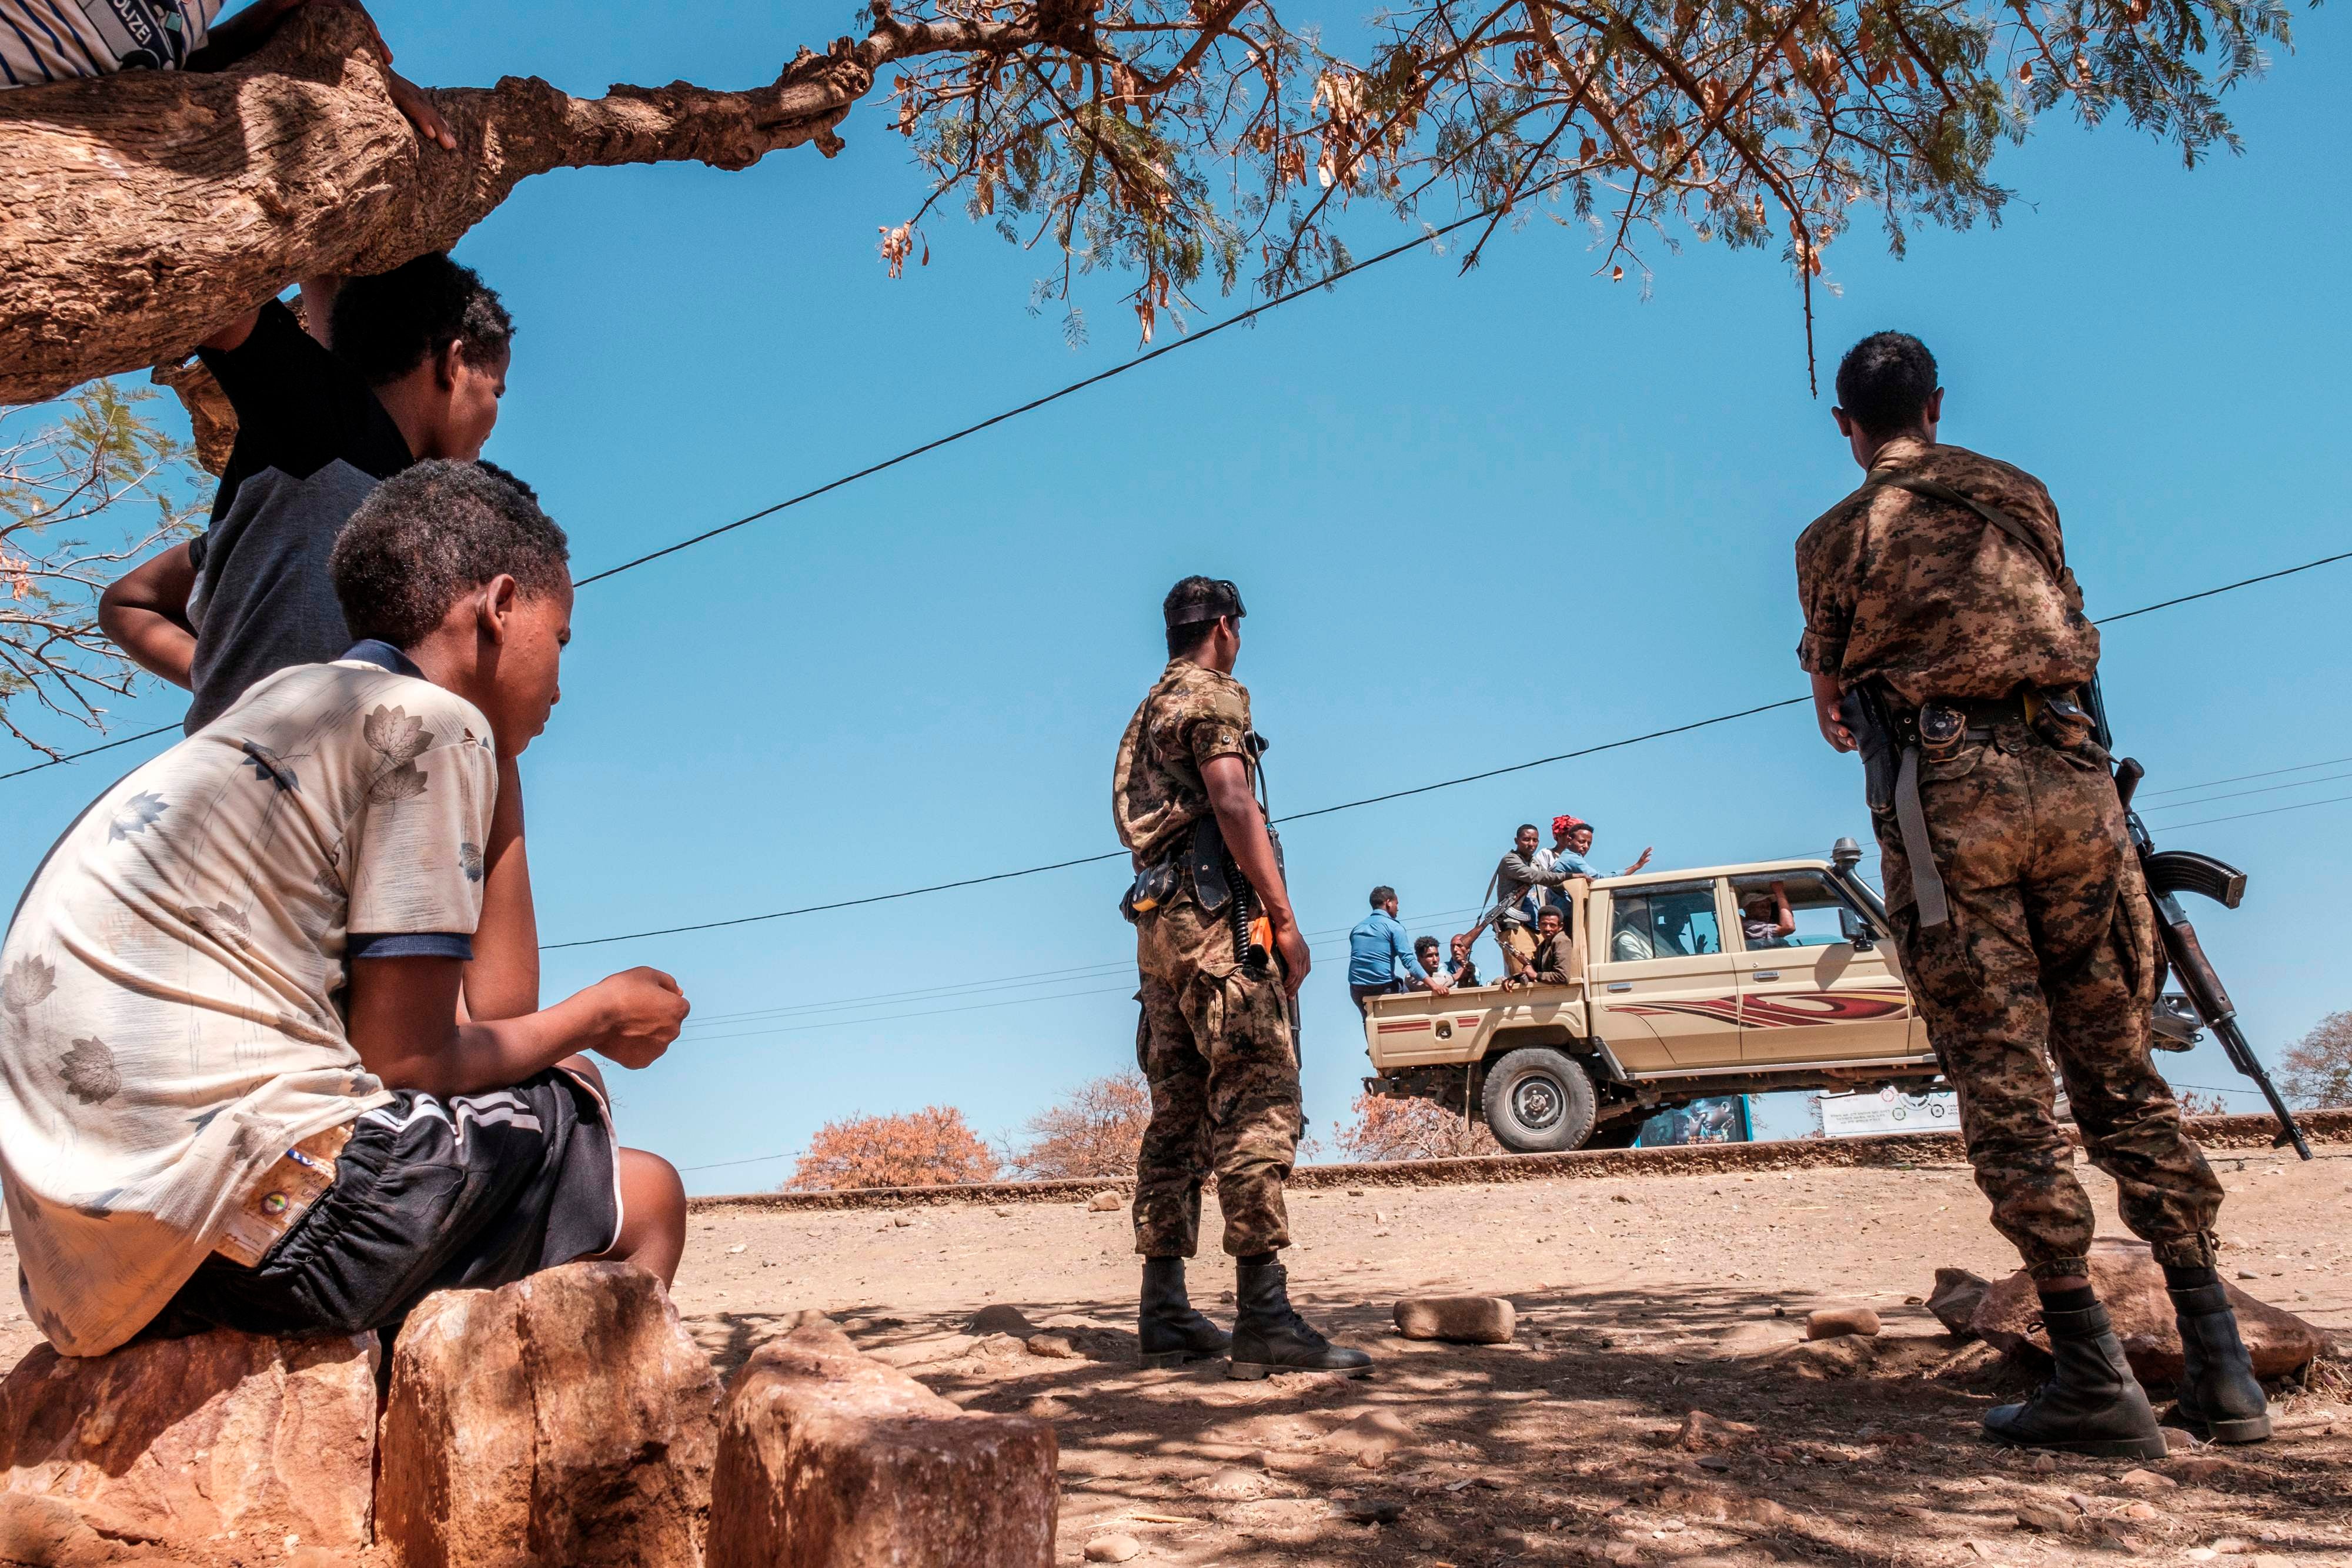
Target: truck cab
{"x":1669,"y":1001}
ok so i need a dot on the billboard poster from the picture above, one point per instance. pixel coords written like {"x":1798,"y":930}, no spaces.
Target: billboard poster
{"x":1889,"y":1110}
{"x":1723,"y":1120}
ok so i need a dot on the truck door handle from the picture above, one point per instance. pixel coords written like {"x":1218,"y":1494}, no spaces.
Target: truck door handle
{"x":1623,"y":986}
{"x":1764,"y":975}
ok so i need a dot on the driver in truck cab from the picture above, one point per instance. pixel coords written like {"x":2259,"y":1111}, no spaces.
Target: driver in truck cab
{"x":1765,"y":918}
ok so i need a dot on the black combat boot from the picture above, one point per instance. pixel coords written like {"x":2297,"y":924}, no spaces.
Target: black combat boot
{"x":1269,"y":1337}
{"x":1171,"y":1332}
{"x":2221,"y":1398}
{"x":2093,"y":1405}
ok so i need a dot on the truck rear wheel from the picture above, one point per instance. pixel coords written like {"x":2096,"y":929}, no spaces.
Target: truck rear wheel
{"x":1538,"y":1102}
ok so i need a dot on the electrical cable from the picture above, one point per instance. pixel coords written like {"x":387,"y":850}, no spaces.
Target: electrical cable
{"x":92,"y":752}
{"x":1345,"y":805}
{"x":2241,"y":794}
{"x":2240,"y":778}
{"x":2241,"y":816}
{"x":1039,"y":978}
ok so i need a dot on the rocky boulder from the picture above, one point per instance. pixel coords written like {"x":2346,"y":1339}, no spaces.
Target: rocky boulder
{"x":564,"y":1421}
{"x":1838,"y":1322}
{"x":1956,"y":1298}
{"x":1465,"y":1320}
{"x":829,"y":1459}
{"x":2129,"y":1279}
{"x":172,"y":1445}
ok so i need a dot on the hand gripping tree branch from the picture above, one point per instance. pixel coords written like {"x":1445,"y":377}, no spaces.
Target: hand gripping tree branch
{"x":1162,"y":139}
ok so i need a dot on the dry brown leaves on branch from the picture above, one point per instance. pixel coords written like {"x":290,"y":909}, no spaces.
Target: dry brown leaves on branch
{"x":2318,"y":1068}
{"x":931,"y":1148}
{"x":86,"y":486}
{"x":1164,"y":140}
{"x":1381,"y":1128}
{"x":1095,"y":1130}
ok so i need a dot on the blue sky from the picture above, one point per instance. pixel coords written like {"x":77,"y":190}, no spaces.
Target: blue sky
{"x":1477,"y":519}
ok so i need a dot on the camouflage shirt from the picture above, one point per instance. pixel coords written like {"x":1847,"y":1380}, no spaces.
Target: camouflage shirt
{"x":1929,"y":599}
{"x":1192,"y":715}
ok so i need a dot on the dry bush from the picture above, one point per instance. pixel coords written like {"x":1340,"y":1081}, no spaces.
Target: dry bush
{"x":2317,"y":1070}
{"x":1381,"y":1129}
{"x":931,"y":1148}
{"x":2193,"y":1104}
{"x":1095,"y":1130}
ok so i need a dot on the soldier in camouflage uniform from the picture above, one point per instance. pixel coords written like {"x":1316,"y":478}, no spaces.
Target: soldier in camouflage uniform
{"x":1939,"y":591}
{"x":1215,"y":1039}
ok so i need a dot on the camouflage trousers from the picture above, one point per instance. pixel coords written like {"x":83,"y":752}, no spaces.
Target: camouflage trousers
{"x":1214,"y":1043}
{"x":2050,"y":956}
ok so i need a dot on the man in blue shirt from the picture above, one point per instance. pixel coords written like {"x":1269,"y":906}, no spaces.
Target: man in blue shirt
{"x":1380,"y":954}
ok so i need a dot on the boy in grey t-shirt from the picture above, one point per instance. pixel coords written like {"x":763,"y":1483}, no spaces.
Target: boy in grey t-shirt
{"x":417,"y":365}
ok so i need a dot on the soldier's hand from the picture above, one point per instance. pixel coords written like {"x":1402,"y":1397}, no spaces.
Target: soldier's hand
{"x":1832,"y":722}
{"x":1290,"y":945}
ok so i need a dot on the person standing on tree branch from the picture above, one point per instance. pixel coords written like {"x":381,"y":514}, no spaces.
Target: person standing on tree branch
{"x":1946,"y":639}
{"x":1216,"y":1039}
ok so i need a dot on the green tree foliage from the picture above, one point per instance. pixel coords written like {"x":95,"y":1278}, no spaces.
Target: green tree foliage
{"x":1210,"y":137}
{"x":86,"y":484}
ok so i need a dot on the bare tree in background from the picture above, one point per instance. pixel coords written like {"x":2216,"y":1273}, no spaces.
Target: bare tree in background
{"x":1095,"y":1130}
{"x":1165,"y":140}
{"x":1383,"y":1128}
{"x":2194,"y":1103}
{"x":86,"y":484}
{"x":931,"y":1148}
{"x":2317,"y":1070}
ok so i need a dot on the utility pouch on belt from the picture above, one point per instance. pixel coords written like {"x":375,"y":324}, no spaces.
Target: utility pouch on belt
{"x":1890,"y":760}
{"x":1153,"y":886}
{"x":1943,"y":730}
{"x":1875,"y":741}
{"x":1207,"y":857}
{"x":2058,"y":718}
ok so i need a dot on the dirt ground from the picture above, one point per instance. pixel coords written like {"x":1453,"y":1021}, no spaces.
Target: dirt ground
{"x":1640,"y":1299}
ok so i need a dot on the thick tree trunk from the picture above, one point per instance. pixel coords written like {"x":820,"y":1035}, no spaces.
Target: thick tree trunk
{"x":140,"y":212}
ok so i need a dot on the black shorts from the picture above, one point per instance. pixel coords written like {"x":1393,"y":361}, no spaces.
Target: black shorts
{"x":429,"y":1195}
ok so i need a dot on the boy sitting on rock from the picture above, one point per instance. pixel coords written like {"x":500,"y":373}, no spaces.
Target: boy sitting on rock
{"x":238,"y":1086}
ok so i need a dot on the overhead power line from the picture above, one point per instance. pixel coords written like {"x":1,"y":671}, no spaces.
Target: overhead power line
{"x":1350,"y":805}
{"x":94,"y":750}
{"x":2241,"y":794}
{"x":1188,"y":340}
{"x":2240,"y":778}
{"x":2241,"y":816}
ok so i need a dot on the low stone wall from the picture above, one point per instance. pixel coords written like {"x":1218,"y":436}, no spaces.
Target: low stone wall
{"x":1890,"y":1150}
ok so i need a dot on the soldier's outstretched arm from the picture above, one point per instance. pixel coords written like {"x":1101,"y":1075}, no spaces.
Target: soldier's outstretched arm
{"x":1243,"y":824}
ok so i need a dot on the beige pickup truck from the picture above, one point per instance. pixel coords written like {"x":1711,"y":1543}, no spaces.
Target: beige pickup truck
{"x":1669,"y":1003}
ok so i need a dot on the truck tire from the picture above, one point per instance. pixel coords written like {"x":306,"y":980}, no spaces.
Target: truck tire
{"x":1538,"y":1102}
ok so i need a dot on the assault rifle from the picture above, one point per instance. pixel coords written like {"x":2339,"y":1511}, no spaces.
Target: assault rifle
{"x":2169,"y":873}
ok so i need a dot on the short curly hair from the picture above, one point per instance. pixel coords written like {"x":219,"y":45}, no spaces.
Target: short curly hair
{"x":1885,"y":381}
{"x":385,"y":325}
{"x":432,"y":534}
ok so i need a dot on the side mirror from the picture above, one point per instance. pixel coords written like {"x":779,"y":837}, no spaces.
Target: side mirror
{"x":1855,"y":930}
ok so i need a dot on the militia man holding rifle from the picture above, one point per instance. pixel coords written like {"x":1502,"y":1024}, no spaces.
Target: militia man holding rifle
{"x":1947,"y":642}
{"x":1221,"y":959}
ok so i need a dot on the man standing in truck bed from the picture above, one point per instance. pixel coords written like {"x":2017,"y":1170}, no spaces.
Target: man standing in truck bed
{"x":1946,"y":639}
{"x":1215,"y":1039}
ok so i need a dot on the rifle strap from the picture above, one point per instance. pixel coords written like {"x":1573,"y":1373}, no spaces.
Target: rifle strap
{"x":1991,"y":514}
{"x":1911,"y":819}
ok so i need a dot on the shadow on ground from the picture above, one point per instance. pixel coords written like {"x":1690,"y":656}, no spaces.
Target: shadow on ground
{"x":1574,"y":1445}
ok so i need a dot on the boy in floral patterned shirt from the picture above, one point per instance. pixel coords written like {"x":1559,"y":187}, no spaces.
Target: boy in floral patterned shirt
{"x":239,"y":1085}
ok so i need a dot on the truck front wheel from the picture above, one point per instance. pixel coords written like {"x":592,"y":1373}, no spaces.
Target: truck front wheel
{"x":1538,"y":1102}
